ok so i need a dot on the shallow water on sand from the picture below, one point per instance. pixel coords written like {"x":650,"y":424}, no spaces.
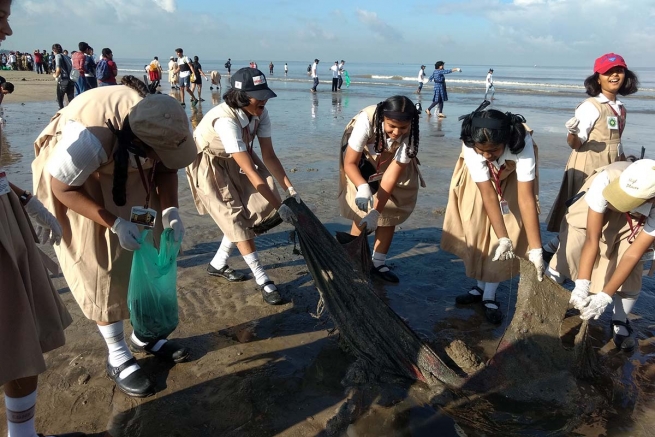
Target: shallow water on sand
{"x":306,"y":132}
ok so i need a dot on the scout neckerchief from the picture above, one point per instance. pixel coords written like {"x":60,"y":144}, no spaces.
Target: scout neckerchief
{"x":504,"y":206}
{"x":620,"y":117}
{"x":634,"y":229}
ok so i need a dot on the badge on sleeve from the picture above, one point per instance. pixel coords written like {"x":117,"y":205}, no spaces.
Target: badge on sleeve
{"x":4,"y":183}
{"x":612,"y":122}
{"x":143,"y":216}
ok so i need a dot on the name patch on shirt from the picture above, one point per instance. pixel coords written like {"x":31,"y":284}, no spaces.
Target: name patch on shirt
{"x":612,"y":122}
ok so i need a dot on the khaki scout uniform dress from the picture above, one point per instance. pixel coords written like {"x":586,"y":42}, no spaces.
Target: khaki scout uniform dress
{"x":218,"y":187}
{"x":613,"y":241}
{"x":402,"y":201}
{"x":32,"y":316}
{"x":467,"y":231}
{"x":600,"y":149}
{"x":94,"y":264}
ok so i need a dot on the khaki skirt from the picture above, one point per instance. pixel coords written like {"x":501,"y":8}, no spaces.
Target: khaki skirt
{"x":467,"y":231}
{"x":32,"y":316}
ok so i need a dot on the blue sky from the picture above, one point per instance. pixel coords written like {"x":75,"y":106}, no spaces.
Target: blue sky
{"x":509,"y":32}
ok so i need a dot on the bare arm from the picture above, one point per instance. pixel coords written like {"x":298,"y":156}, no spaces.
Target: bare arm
{"x":591,"y":244}
{"x":244,"y":161}
{"x":573,"y":141}
{"x":628,"y":262}
{"x":387,"y":184}
{"x":528,"y":208}
{"x":351,"y":166}
{"x":166,"y":183}
{"x":273,"y":163}
{"x":76,"y":199}
{"x":492,"y":207}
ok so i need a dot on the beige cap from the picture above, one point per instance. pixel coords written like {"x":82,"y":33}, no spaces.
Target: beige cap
{"x":634,"y":187}
{"x":161,"y":123}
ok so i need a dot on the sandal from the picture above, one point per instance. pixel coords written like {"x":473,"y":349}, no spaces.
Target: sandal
{"x":626,"y":343}
{"x":270,"y":297}
{"x":465,"y":299}
{"x":493,"y":315}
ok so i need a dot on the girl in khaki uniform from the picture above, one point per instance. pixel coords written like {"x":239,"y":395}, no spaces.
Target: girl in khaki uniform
{"x":106,"y":140}
{"x":594,"y":133}
{"x":32,"y":316}
{"x":379,"y":148}
{"x":232,"y":184}
{"x":492,"y":207}
{"x":604,"y":236}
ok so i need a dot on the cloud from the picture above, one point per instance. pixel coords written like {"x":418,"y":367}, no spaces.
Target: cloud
{"x":167,"y":5}
{"x":381,"y":29}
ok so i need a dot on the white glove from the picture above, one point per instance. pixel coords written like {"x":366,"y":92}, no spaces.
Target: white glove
{"x":293,"y":193}
{"x":580,"y":293}
{"x":370,"y":221}
{"x":505,"y":250}
{"x":595,"y":306}
{"x":48,"y":229}
{"x":572,"y":126}
{"x":286,"y":214}
{"x":170,"y":218}
{"x":536,"y":257}
{"x":364,"y":197}
{"x":206,"y":79}
{"x":128,"y":234}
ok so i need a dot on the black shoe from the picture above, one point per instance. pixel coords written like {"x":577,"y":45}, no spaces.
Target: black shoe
{"x":226,"y":272}
{"x":547,"y":257}
{"x":493,"y":315}
{"x":272,"y":298}
{"x":388,"y":276}
{"x":465,"y":299}
{"x":136,"y":384}
{"x":183,"y":104}
{"x":202,"y":100}
{"x":170,"y":351}
{"x":626,"y":343}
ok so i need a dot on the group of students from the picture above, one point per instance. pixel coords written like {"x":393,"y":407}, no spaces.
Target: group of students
{"x":112,"y":138}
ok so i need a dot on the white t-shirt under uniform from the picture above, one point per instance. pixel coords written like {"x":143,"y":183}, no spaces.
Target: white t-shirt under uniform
{"x":231,"y":132}
{"x":363,"y":130}
{"x":525,"y":162}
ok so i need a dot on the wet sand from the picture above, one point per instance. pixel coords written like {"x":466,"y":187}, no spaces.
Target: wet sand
{"x":257,"y":370}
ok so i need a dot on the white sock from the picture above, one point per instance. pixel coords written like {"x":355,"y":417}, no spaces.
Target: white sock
{"x":490,"y":293}
{"x":155,"y":348}
{"x":20,"y":415}
{"x":119,"y":353}
{"x":552,"y":245}
{"x":252,"y":259}
{"x":622,"y":307}
{"x":475,"y":292}
{"x":222,"y":254}
{"x":379,"y":259}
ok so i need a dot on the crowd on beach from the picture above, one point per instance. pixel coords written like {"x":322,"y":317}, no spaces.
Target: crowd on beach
{"x":113,"y":153}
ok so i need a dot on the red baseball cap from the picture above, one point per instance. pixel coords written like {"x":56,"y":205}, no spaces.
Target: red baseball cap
{"x":606,"y":62}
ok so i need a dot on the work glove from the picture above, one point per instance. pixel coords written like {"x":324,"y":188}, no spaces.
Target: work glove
{"x":293,"y":193}
{"x":572,"y":126}
{"x":580,"y":293}
{"x":364,"y":197}
{"x":505,"y":250}
{"x":595,"y":306}
{"x":536,"y":257}
{"x":370,"y":221}
{"x":48,"y":230}
{"x":286,"y":214}
{"x":170,"y":218}
{"x":128,"y":234}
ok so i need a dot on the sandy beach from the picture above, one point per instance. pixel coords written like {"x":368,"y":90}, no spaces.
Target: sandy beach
{"x":258,"y":370}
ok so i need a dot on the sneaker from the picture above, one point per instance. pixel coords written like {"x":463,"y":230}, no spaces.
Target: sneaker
{"x":183,"y":104}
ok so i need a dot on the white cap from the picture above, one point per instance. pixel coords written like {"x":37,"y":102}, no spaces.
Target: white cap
{"x":634,"y":187}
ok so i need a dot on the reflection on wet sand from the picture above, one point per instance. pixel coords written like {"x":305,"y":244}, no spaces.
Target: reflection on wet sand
{"x":196,"y":115}
{"x":8,"y":157}
{"x":314,"y":104}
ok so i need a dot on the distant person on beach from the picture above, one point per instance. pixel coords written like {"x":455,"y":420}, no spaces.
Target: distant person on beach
{"x":228,"y":65}
{"x":184,"y":69}
{"x":90,"y":68}
{"x":421,"y":78}
{"x":270,"y":68}
{"x":286,"y":69}
{"x":605,"y":236}
{"x":335,"y":76}
{"x":106,"y":70}
{"x":440,"y":92}
{"x":381,"y":194}
{"x":197,"y":83}
{"x":215,"y":78}
{"x":489,"y":84}
{"x":485,"y":223}
{"x":32,"y":316}
{"x":232,"y":184}
{"x":172,"y":75}
{"x":84,"y":170}
{"x":594,"y":133}
{"x":154,"y":72}
{"x":79,"y":63}
{"x":341,"y":69}
{"x":314,"y":73}
{"x":63,"y":68}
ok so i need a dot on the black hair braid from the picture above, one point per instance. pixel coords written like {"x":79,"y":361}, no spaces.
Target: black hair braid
{"x":516,"y":142}
{"x":136,"y":84}
{"x":379,"y":132}
{"x":121,"y":162}
{"x":412,"y":150}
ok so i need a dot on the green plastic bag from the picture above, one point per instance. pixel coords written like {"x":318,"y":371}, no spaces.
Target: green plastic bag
{"x":152,"y":293}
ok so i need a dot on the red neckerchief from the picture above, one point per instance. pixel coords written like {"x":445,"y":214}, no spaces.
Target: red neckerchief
{"x":634,"y":230}
{"x":496,"y":177}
